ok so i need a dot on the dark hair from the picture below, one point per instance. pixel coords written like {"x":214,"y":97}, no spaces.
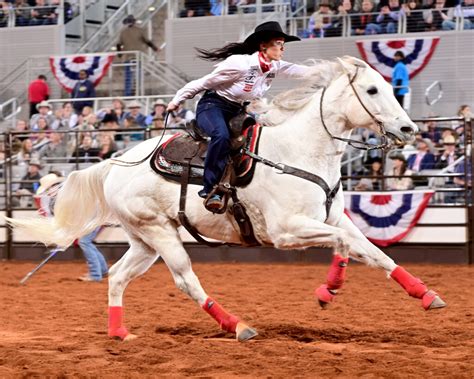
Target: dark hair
{"x":400,"y":54}
{"x":222,"y":53}
{"x":41,"y":77}
{"x":461,"y":109}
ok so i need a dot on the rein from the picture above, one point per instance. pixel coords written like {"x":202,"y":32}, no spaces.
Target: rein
{"x":123,"y":163}
{"x":361,"y":145}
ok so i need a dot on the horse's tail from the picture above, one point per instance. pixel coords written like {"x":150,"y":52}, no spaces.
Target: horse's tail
{"x":80,"y":208}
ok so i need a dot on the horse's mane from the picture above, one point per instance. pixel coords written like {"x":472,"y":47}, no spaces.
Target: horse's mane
{"x":285,"y":104}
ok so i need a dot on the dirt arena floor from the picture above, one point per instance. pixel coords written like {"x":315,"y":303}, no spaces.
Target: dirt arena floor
{"x":55,"y":326}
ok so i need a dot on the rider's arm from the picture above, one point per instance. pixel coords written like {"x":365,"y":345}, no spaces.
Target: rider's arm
{"x":227,"y":71}
{"x":292,"y":70}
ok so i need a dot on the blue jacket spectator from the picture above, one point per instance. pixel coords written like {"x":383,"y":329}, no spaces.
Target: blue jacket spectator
{"x":400,"y":77}
{"x":423,"y":159}
{"x":135,"y":119}
{"x":83,"y":89}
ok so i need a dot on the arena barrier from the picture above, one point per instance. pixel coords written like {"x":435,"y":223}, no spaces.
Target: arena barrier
{"x":448,"y":225}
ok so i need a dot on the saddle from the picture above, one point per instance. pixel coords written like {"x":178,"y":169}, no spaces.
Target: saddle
{"x":181,"y":159}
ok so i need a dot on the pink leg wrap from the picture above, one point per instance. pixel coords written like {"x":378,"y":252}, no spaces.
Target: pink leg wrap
{"x":337,"y":272}
{"x":226,"y":321}
{"x":414,"y":286}
{"x":116,"y":329}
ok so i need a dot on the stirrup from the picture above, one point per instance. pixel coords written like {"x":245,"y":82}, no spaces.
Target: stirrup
{"x":215,"y":204}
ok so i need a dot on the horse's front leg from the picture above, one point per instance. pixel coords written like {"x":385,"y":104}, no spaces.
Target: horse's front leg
{"x":302,"y":232}
{"x":363,"y":250}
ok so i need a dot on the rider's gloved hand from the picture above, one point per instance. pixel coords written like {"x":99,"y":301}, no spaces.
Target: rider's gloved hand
{"x":172,"y":107}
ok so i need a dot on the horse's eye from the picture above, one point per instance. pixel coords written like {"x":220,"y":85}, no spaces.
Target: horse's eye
{"x":372,"y":90}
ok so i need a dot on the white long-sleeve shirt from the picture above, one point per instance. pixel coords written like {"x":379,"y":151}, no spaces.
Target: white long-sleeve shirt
{"x":240,"y":78}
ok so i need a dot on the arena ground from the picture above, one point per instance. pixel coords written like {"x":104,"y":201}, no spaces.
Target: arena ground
{"x":55,"y":326}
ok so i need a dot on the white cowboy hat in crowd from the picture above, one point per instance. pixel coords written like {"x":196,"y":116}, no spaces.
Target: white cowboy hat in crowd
{"x":43,"y":104}
{"x":159,"y":102}
{"x":134,"y":104}
{"x":47,"y":181}
{"x":35,"y":162}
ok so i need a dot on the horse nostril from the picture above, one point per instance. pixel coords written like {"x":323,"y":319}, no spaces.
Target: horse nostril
{"x":407,"y":129}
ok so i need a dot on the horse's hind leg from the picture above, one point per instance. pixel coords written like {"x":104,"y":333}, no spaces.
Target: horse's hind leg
{"x":363,"y":250}
{"x":171,"y":249}
{"x":336,"y":275}
{"x":135,"y":262}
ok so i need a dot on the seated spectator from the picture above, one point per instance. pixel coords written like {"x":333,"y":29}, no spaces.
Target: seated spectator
{"x":159,"y":110}
{"x":107,"y":146}
{"x":460,"y":168}
{"x":431,"y":131}
{"x":22,"y":13}
{"x":387,"y":20}
{"x":458,"y":126}
{"x":320,"y":22}
{"x":65,"y":118}
{"x":135,"y":119}
{"x":56,"y":148}
{"x":118,"y":107}
{"x":195,"y":8}
{"x":344,"y":9}
{"x":359,"y":23}
{"x":4,"y":12}
{"x":371,"y":184}
{"x":438,"y":15}
{"x":414,"y":16}
{"x":27,"y":152}
{"x":43,"y":15}
{"x":44,"y":109}
{"x":182,"y":116}
{"x":110,"y":121}
{"x":86,"y":150}
{"x":464,"y":10}
{"x":159,"y":125}
{"x":399,"y":169}
{"x":20,"y":127}
{"x":423,"y":159}
{"x":83,"y":89}
{"x":30,"y":184}
{"x":449,"y":155}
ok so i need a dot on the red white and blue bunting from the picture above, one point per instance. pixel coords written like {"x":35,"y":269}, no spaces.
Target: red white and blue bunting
{"x":386,"y":217}
{"x":66,"y":69}
{"x":379,"y":54}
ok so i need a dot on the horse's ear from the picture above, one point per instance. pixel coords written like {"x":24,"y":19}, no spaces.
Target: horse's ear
{"x":347,"y":67}
{"x":354,"y":61}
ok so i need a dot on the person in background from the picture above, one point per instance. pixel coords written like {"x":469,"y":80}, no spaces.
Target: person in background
{"x":423,"y":159}
{"x":159,"y":110}
{"x":438,"y":15}
{"x":26,"y":152}
{"x":449,"y":155}
{"x":83,"y":89}
{"x":465,"y":10}
{"x":399,"y":169}
{"x":38,"y":91}
{"x":360,"y":22}
{"x":133,"y":38}
{"x":400,"y":77}
{"x":372,"y":184}
{"x":65,"y":118}
{"x":30,"y":183}
{"x":180,"y":117}
{"x":135,"y":119}
{"x":320,"y":23}
{"x":432,"y":131}
{"x":44,"y":111}
{"x":45,"y":199}
{"x":414,"y":16}
{"x":107,"y":146}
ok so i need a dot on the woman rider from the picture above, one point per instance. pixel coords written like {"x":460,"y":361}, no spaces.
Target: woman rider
{"x":245,"y":74}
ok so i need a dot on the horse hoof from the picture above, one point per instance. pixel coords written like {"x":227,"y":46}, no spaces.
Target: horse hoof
{"x":431,"y":300}
{"x":245,"y":332}
{"x":130,"y":337}
{"x":324,"y":295}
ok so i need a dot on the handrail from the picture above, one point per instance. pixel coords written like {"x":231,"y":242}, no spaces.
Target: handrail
{"x":13,"y":105}
{"x":428,"y":90}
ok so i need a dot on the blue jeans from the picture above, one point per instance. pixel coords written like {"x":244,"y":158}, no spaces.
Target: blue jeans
{"x":94,"y":258}
{"x":213,"y":115}
{"x":130,"y":77}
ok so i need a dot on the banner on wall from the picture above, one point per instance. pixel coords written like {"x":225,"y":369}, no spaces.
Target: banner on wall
{"x":66,"y":69}
{"x":379,"y":54}
{"x":386,"y":217}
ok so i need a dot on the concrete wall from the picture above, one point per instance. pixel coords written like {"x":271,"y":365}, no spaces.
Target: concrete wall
{"x":452,"y":63}
{"x":18,"y":44}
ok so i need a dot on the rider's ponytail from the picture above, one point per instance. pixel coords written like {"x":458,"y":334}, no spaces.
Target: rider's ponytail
{"x":222,"y":53}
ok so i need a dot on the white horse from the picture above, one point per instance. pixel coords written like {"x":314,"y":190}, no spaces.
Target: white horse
{"x":287,"y":212}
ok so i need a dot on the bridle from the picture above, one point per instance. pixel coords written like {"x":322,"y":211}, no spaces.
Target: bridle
{"x":361,"y":145}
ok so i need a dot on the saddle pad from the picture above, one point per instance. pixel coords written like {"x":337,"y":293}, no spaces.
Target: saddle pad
{"x":169,"y":158}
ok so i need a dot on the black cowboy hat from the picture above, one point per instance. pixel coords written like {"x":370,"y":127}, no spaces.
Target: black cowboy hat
{"x":267,"y":31}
